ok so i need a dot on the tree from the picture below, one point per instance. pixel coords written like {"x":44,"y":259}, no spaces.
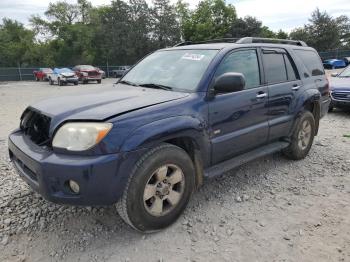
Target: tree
{"x":166,"y":29}
{"x":16,"y":43}
{"x":324,"y":32}
{"x":212,"y":19}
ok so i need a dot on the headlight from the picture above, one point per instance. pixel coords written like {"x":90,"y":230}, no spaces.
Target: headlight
{"x":80,"y":136}
{"x":84,"y":73}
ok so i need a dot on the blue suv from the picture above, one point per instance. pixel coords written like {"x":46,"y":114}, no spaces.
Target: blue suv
{"x":178,"y":116}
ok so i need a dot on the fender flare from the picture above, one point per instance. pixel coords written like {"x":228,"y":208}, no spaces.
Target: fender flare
{"x":311,"y":102}
{"x":154,"y":133}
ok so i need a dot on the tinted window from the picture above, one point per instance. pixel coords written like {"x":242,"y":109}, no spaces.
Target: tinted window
{"x":290,"y":70}
{"x":312,"y":62}
{"x":275,"y":69}
{"x":245,"y":62}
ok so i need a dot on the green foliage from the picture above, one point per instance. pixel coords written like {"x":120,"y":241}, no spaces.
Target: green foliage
{"x":212,"y":19}
{"x":249,"y":26}
{"x":16,"y":43}
{"x":126,"y":30}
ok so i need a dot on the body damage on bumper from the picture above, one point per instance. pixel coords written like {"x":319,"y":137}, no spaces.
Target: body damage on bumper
{"x":101,"y":178}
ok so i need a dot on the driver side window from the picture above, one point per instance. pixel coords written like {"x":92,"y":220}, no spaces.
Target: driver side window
{"x":245,"y":62}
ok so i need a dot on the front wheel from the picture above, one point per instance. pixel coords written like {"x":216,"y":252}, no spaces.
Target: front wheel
{"x":302,"y":137}
{"x":99,"y":81}
{"x":158,"y":189}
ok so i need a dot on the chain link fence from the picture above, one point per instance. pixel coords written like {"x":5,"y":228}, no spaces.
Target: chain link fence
{"x":338,"y":54}
{"x":20,"y":73}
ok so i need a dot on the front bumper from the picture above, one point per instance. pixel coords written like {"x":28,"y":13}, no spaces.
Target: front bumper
{"x":91,"y":78}
{"x":70,"y":80}
{"x":340,"y":99}
{"x":101,"y":178}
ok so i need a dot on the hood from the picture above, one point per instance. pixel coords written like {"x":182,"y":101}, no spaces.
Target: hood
{"x":103,"y":105}
{"x":339,"y":84}
{"x":66,"y":74}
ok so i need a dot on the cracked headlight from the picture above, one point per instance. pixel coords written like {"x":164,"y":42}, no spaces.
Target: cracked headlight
{"x":80,"y":136}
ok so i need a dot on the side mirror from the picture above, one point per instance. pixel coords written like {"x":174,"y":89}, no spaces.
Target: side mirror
{"x":229,"y":82}
{"x":334,"y":74}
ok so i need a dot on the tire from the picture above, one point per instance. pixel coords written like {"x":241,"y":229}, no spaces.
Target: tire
{"x":50,"y":81}
{"x":301,"y":142}
{"x":59,"y":82}
{"x":76,"y":83}
{"x":99,"y":81}
{"x":139,"y":209}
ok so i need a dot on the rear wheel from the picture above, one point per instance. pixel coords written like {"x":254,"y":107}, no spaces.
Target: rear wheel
{"x":50,"y":81}
{"x":158,"y":189}
{"x":302,"y":138}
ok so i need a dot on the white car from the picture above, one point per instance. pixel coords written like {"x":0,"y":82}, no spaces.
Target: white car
{"x":63,"y":76}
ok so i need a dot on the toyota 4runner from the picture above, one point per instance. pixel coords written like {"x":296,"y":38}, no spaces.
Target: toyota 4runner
{"x":180,"y":115}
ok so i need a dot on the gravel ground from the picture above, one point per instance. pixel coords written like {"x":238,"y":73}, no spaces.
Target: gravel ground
{"x":271,"y":209}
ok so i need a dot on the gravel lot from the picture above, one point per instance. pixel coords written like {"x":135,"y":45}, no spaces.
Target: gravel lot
{"x":271,"y":209}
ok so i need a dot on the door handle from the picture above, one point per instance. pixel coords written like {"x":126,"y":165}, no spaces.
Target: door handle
{"x":261,"y":95}
{"x":295,"y":88}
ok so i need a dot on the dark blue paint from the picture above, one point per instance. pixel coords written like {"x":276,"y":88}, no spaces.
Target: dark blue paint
{"x":220,"y":127}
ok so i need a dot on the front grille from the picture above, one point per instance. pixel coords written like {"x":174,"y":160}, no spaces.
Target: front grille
{"x":93,"y":73}
{"x":36,"y":126}
{"x":341,"y":96}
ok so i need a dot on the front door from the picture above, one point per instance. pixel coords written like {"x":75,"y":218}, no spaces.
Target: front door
{"x":238,"y":120}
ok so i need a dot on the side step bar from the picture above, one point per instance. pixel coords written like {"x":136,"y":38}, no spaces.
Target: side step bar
{"x":227,"y":165}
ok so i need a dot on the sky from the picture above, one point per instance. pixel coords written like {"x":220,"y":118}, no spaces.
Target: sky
{"x":276,"y":14}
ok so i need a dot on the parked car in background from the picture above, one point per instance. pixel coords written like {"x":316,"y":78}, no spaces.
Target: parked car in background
{"x":340,"y":89}
{"x":103,"y":73}
{"x":347,"y":60}
{"x":87,"y":73}
{"x":149,"y":143}
{"x":41,"y":74}
{"x":334,"y":63}
{"x":63,"y":76}
{"x":120,"y":71}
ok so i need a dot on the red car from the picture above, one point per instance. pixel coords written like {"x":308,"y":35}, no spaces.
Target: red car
{"x":87,"y":73}
{"x":41,"y":74}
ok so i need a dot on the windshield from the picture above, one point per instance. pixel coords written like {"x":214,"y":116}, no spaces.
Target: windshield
{"x":62,"y":70}
{"x":176,"y":69}
{"x":345,"y":73}
{"x":87,"y":67}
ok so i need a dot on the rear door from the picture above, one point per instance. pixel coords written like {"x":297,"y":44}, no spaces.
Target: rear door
{"x":284,"y":86}
{"x":238,"y":120}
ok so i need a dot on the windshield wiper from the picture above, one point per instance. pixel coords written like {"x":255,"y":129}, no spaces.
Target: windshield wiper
{"x":157,"y":86}
{"x":127,"y":83}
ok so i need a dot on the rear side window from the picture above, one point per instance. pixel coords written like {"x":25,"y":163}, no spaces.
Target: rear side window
{"x":245,"y":62}
{"x":290,"y":70}
{"x":275,"y":69}
{"x":311,"y":61}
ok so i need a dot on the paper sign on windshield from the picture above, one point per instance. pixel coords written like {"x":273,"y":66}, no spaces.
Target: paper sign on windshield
{"x":194,"y":57}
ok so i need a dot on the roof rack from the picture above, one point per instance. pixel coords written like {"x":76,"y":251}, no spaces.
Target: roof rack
{"x":251,"y":40}
{"x":246,"y":40}
{"x":217,"y":40}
